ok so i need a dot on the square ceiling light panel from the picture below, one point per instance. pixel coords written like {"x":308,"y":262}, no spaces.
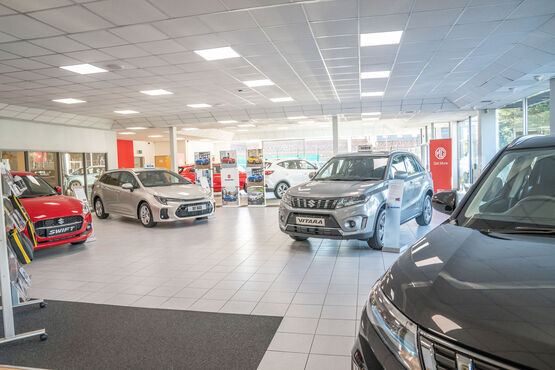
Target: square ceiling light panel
{"x":257,"y":83}
{"x":226,"y":122}
{"x":69,"y":101}
{"x":126,"y":111}
{"x":380,"y":38}
{"x":372,"y":93}
{"x":282,"y":100}
{"x":84,"y":69}
{"x":218,"y":53}
{"x":156,"y":92}
{"x":377,"y":74}
{"x":200,"y":105}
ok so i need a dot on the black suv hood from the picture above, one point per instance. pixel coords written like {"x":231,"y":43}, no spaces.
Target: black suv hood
{"x":494,"y":294}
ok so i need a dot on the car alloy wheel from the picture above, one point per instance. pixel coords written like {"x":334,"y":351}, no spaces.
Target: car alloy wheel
{"x":145,"y":214}
{"x":381,"y":228}
{"x":427,"y":209}
{"x":98,"y":208}
{"x":281,"y":189}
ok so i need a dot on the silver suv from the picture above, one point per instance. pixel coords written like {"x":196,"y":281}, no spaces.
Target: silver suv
{"x":346,"y":198}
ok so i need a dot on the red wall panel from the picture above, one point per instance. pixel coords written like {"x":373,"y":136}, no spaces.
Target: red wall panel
{"x":126,"y":158}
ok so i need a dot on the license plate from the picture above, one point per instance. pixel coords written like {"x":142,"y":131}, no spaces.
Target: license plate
{"x":196,"y":208}
{"x":61,"y":230}
{"x":310,"y":221}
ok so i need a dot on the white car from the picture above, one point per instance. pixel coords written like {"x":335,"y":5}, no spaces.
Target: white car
{"x":284,"y":173}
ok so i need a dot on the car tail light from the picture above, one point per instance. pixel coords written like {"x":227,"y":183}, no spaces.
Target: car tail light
{"x":269,"y":172}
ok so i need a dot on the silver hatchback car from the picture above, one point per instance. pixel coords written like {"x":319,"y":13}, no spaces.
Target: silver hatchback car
{"x":151,"y":195}
{"x":346,"y":198}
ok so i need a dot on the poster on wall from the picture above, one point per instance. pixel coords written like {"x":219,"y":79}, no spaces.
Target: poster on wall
{"x":229,"y":178}
{"x":203,"y":170}
{"x":440,"y":164}
{"x":255,"y":178}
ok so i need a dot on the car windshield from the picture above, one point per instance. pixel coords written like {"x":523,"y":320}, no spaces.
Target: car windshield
{"x":36,"y":187}
{"x":155,"y":178}
{"x":362,"y":168}
{"x":518,"y":195}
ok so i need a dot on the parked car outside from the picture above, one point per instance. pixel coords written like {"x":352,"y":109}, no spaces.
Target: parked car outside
{"x":346,"y":198}
{"x":285,"y":173}
{"x":189,"y":173}
{"x":57,"y":219}
{"x":151,"y":195}
{"x":76,"y":178}
{"x":476,"y":292}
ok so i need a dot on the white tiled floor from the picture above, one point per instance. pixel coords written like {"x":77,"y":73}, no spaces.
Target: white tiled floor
{"x":238,"y":262}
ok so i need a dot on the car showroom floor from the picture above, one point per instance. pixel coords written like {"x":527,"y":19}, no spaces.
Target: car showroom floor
{"x":237,"y":262}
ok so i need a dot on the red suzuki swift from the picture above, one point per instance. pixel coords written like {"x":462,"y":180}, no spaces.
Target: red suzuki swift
{"x":58,"y":219}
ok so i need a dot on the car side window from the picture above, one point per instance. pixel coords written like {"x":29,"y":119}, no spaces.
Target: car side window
{"x":304,"y":165}
{"x":412,"y":168}
{"x":127,"y":177}
{"x":104,"y":178}
{"x":397,"y":164}
{"x":113,"y":179}
{"x":192,"y":170}
{"x":292,"y":165}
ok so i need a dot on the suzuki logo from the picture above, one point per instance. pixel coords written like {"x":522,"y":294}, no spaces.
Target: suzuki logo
{"x":440,"y":153}
{"x":311,"y":203}
{"x":61,"y":221}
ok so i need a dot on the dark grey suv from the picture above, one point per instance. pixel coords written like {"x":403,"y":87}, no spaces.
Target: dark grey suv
{"x":477,"y":292}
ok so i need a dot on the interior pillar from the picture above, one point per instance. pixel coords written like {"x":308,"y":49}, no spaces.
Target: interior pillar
{"x":173,"y":148}
{"x":335,"y":134}
{"x":552,"y":105}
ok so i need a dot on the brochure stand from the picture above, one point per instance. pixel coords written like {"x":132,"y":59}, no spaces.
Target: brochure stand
{"x":393,"y":216}
{"x":10,"y":295}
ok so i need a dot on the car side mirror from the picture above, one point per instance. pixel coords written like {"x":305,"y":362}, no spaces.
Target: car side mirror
{"x":58,"y":190}
{"x":445,"y":201}
{"x":311,"y":174}
{"x":400,"y":175}
{"x":127,"y":186}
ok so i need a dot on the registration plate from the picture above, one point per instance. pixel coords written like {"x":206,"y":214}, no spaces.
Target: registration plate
{"x":310,"y":221}
{"x":62,"y":230}
{"x":199,"y":207}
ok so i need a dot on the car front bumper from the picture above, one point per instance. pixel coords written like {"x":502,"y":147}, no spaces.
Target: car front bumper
{"x":175,"y":211}
{"x":79,"y":236}
{"x":336,"y":221}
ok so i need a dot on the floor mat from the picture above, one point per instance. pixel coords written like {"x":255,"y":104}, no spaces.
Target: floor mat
{"x":95,"y":336}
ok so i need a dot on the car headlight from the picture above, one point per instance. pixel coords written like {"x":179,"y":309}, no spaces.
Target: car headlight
{"x":287,"y":199}
{"x":395,"y":329}
{"x":351,"y":201}
{"x":86,"y":209}
{"x":161,"y":200}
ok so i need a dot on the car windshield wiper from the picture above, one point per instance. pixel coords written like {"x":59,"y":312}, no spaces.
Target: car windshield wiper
{"x":523,"y":230}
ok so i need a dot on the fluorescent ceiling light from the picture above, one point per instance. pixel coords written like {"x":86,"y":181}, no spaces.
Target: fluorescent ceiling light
{"x":307,"y":121}
{"x":281,"y":100}
{"x":201,"y":105}
{"x":247,"y":125}
{"x":230,"y":127}
{"x":228,"y":121}
{"x":137,"y":128}
{"x":154,"y":135}
{"x":371,"y":113}
{"x":370,"y":118}
{"x":256,"y":83}
{"x":296,"y":117}
{"x":156,"y":92}
{"x":126,"y":111}
{"x":380,"y":38}
{"x":69,"y":101}
{"x":83,"y":69}
{"x":218,"y":53}
{"x":377,"y":74}
{"x":190,"y":129}
{"x":282,"y":128}
{"x":126,"y":133}
{"x":243,"y":130}
{"x":372,"y":93}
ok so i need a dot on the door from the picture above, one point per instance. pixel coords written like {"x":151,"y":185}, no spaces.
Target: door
{"x":139,"y":162}
{"x":110,"y":192}
{"x":414,"y":186}
{"x":305,"y":168}
{"x":127,"y":201}
{"x":398,"y":164}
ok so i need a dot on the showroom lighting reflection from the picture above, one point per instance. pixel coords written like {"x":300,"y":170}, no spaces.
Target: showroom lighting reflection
{"x":190,"y":129}
{"x":200,"y":105}
{"x":372,"y":93}
{"x":282,"y":100}
{"x":69,"y":101}
{"x":296,"y":117}
{"x":156,"y":92}
{"x":126,"y":111}
{"x":370,"y":118}
{"x":83,"y":69}
{"x":154,"y":136}
{"x":247,"y":125}
{"x":228,"y":121}
{"x":380,"y":38}
{"x":218,"y":53}
{"x":257,"y":83}
{"x":137,"y":128}
{"x":242,"y":130}
{"x":377,"y":74}
{"x":371,"y":113}
{"x":126,"y":133}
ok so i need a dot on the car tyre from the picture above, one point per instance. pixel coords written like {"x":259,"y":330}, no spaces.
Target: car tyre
{"x":298,"y":238}
{"x":99,"y":209}
{"x":145,"y":215}
{"x":376,"y":241}
{"x":426,"y":217}
{"x":280,"y":189}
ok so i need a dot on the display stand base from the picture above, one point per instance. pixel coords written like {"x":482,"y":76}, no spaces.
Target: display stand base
{"x":37,"y":333}
{"x":400,"y":249}
{"x":30,"y":302}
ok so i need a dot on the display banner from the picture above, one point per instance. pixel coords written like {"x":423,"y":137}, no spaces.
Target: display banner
{"x":229,"y":175}
{"x":393,"y":216}
{"x":255,"y":178}
{"x":203,"y":170}
{"x":440,"y":164}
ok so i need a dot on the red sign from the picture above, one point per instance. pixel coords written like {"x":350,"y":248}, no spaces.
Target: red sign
{"x":440,"y":164}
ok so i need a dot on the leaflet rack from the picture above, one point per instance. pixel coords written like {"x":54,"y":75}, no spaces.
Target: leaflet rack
{"x":10,"y":295}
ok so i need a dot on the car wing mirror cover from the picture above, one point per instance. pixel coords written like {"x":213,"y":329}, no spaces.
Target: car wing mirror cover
{"x":127,"y":186}
{"x":445,"y":201}
{"x":311,"y":174}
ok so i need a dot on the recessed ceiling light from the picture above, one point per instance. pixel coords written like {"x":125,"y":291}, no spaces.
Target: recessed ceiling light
{"x":230,"y":127}
{"x":296,"y":117}
{"x":84,"y":69}
{"x":247,"y":125}
{"x":228,"y":121}
{"x":243,"y":130}
{"x":126,"y":111}
{"x":256,"y":83}
{"x":190,"y":129}
{"x":156,"y":92}
{"x":69,"y":101}
{"x":137,"y":128}
{"x":371,"y":113}
{"x":126,"y":133}
{"x":377,"y":74}
{"x":281,"y":100}
{"x":372,"y":93}
{"x":154,"y":136}
{"x":201,"y":105}
{"x":218,"y":53}
{"x":380,"y":38}
{"x":370,"y":118}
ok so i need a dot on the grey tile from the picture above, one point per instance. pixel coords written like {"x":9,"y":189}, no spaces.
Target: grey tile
{"x":332,"y":345}
{"x":336,"y":327}
{"x":270,"y":309}
{"x":288,"y":342}
{"x":327,"y":362}
{"x":274,"y":360}
{"x":298,"y":325}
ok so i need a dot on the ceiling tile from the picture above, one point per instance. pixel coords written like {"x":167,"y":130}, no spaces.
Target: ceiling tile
{"x":220,"y":22}
{"x":161,"y":47}
{"x":279,"y":15}
{"x":89,"y":56}
{"x":331,"y":10}
{"x":123,"y":12}
{"x":72,"y":19}
{"x":125,"y":51}
{"x":60,"y":44}
{"x":200,"y":42}
{"x":422,"y":5}
{"x":335,"y":28}
{"x":433,"y":18}
{"x":180,"y":8}
{"x":25,"y":64}
{"x":384,"y":7}
{"x":34,"y":5}
{"x":98,"y":39}
{"x":180,"y":27}
{"x":394,"y":22}
{"x":4,"y":37}
{"x":26,"y":27}
{"x":24,"y":49}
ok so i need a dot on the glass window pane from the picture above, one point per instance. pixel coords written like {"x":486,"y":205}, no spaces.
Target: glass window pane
{"x":397,"y":164}
{"x":72,"y":172}
{"x":16,"y":160}
{"x":45,"y":164}
{"x":538,"y":114}
{"x":96,"y":166}
{"x":511,"y":123}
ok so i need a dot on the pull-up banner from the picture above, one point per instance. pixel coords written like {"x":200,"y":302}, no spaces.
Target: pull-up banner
{"x":229,"y":175}
{"x":255,"y":178}
{"x":440,"y":164}
{"x":203,"y":171}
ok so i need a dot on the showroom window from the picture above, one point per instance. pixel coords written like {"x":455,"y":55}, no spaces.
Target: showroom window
{"x":16,"y":160}
{"x":538,"y":114}
{"x":278,"y":149}
{"x":73,"y":172}
{"x":511,"y":123}
{"x":96,"y":166}
{"x":45,"y":164}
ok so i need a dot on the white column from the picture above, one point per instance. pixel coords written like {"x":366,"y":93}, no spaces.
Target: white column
{"x":454,"y":135}
{"x":552,"y":105}
{"x":488,"y":138}
{"x":173,"y":148}
{"x":335,"y":134}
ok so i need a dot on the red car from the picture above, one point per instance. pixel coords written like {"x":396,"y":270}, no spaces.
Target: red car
{"x":228,"y":160}
{"x":189,"y":173}
{"x":58,"y":219}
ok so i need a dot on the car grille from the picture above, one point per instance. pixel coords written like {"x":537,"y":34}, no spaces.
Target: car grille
{"x":42,"y":226}
{"x":182,"y":210}
{"x":313,"y":203}
{"x":442,"y":355}
{"x":329,"y":220}
{"x":313,"y":230}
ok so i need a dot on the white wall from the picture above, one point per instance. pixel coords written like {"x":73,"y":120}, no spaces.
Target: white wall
{"x":147,"y":149}
{"x":35,"y":136}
